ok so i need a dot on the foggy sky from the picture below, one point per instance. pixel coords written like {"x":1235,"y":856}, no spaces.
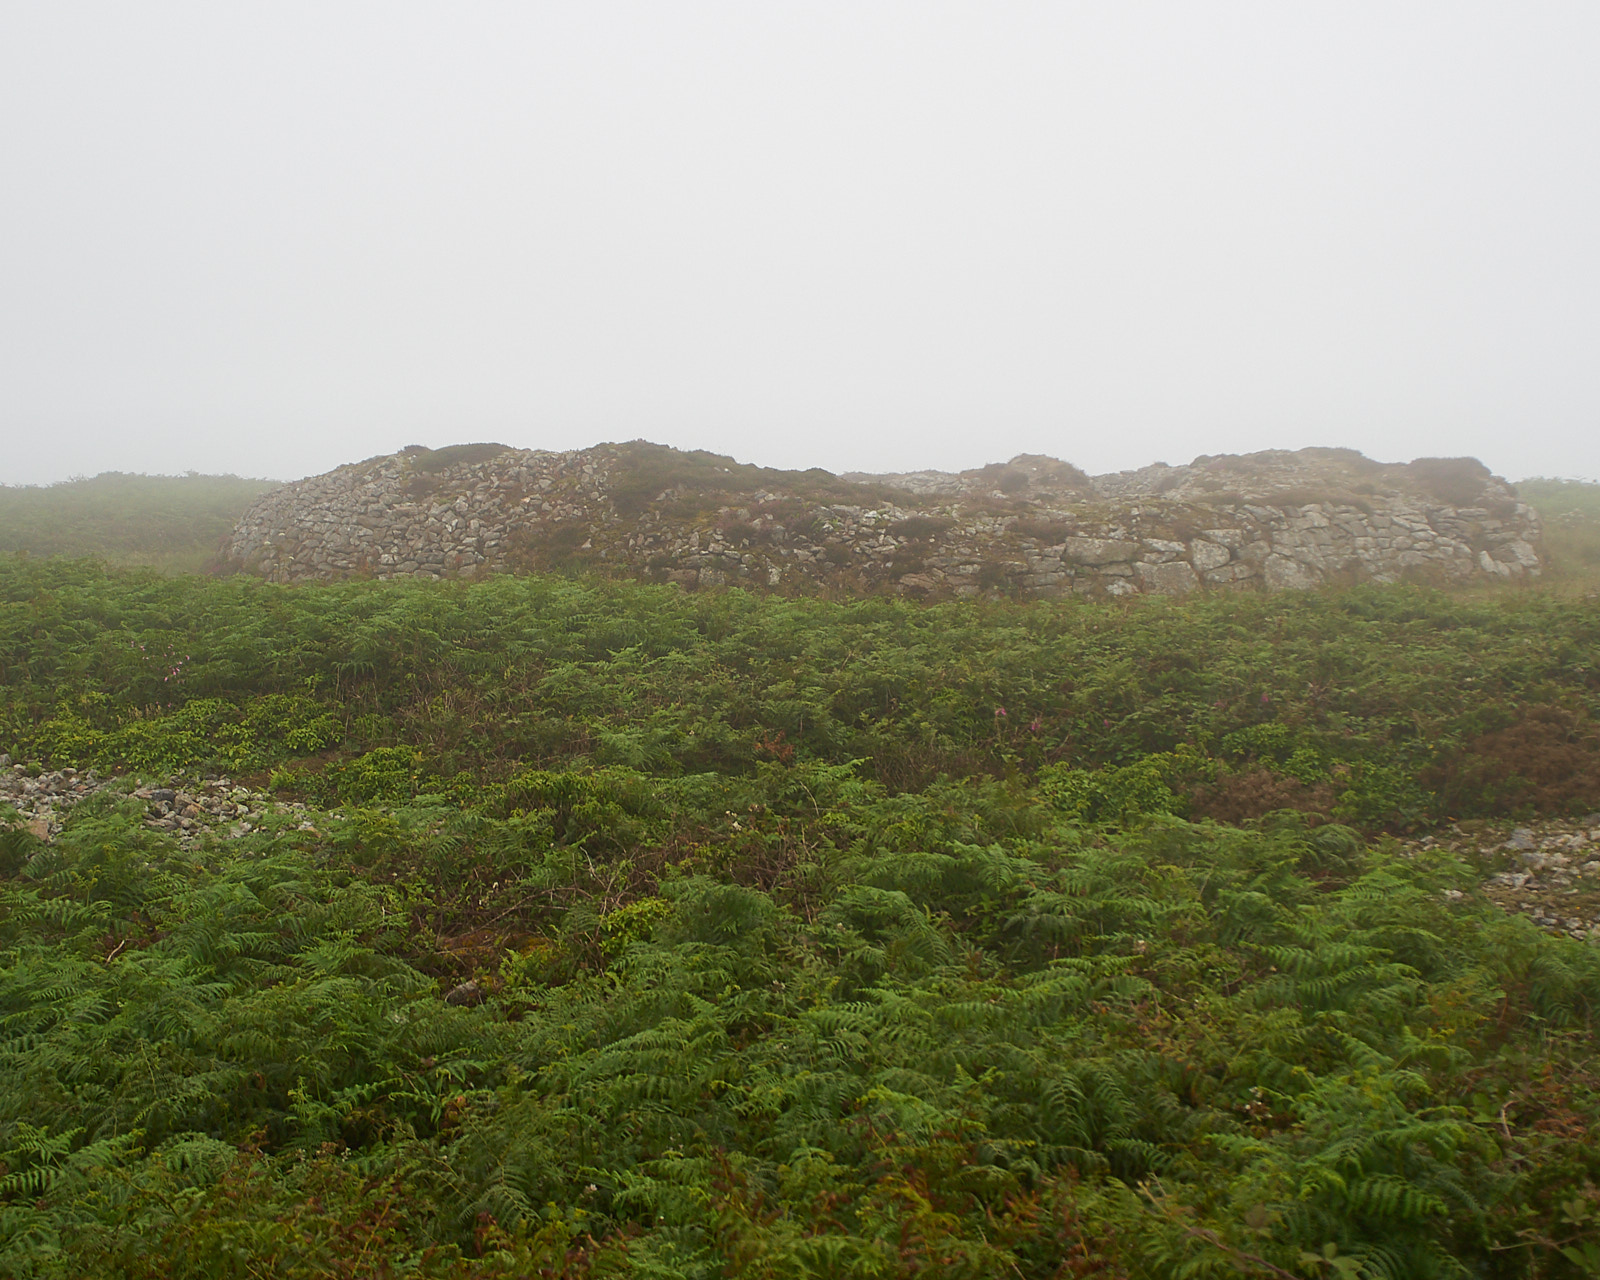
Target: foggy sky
{"x":271,"y":238}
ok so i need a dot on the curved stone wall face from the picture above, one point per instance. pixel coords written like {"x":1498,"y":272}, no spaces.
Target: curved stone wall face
{"x":384,"y":518}
{"x":1163,"y":530}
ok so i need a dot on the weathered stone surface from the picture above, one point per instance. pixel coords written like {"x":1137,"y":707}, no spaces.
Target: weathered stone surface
{"x":1205,"y":555}
{"x":1284,"y":574}
{"x":1176,"y":579}
{"x":1098,"y":551}
{"x":1521,"y":553}
{"x":1034,"y":526}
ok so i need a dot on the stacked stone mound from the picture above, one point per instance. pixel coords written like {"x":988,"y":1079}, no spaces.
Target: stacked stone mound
{"x":190,"y":809}
{"x":1034,"y":526}
{"x":1548,"y":871}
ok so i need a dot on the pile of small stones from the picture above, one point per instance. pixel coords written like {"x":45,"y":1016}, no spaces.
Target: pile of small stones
{"x":40,"y":801}
{"x":1548,"y":871}
{"x":186,"y":809}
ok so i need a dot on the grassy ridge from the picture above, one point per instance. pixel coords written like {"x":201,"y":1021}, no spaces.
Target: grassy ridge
{"x":174,"y":524}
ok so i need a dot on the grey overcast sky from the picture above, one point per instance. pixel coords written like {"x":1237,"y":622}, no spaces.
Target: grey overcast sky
{"x":271,"y":238}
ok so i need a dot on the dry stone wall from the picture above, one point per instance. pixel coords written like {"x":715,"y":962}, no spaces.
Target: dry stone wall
{"x":1035,"y":526}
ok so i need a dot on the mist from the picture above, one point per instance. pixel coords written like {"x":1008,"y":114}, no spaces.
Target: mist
{"x":270,"y":240}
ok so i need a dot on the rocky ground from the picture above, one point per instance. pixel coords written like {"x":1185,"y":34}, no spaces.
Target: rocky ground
{"x":1548,"y":870}
{"x":189,"y":810}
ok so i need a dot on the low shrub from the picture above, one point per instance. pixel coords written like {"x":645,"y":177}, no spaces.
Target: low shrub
{"x":433,"y":461}
{"x":1548,"y":761}
{"x":1459,"y":482}
{"x":1241,"y":796}
{"x":921,"y":527}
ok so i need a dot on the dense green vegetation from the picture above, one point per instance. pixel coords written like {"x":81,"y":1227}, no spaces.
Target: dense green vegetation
{"x":803,"y":938}
{"x":1384,"y":708}
{"x":175,"y":524}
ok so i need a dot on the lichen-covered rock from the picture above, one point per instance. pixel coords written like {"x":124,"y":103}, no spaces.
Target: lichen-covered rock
{"x":1099,"y":551}
{"x":1206,"y":555}
{"x":1034,"y":526}
{"x":1174,"y":579}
